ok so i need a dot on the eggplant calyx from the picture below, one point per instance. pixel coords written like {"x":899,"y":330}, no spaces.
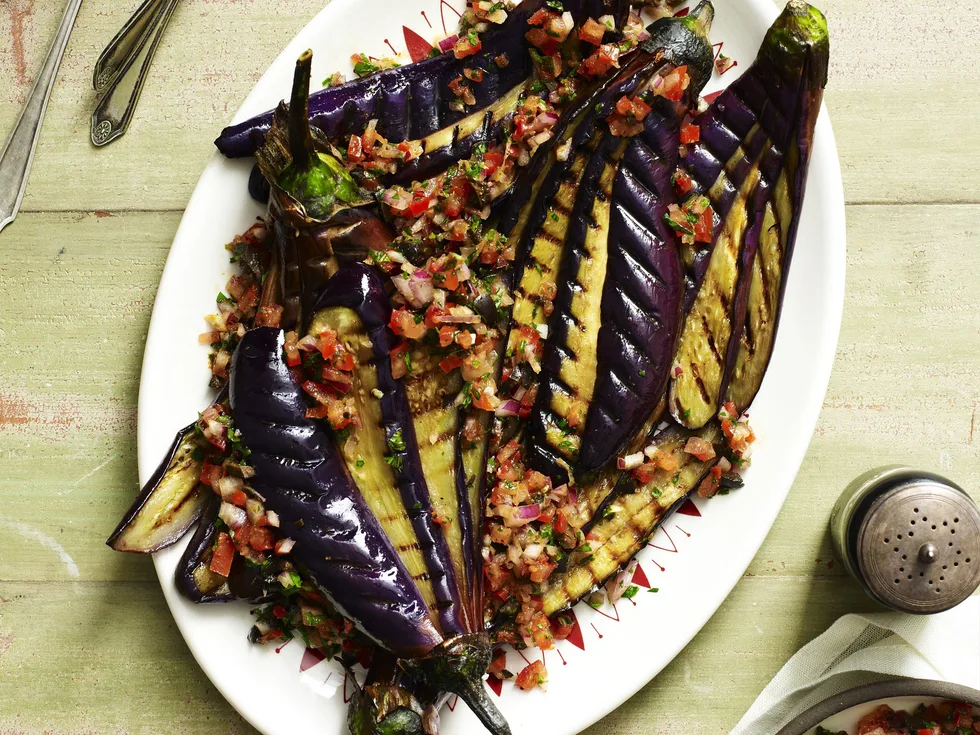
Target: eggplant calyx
{"x":292,"y":158}
{"x":684,"y":41}
{"x":799,"y":43}
{"x":384,"y":709}
{"x":458,"y":665}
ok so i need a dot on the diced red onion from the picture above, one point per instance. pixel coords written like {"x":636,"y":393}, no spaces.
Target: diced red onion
{"x":417,"y":290}
{"x":510,"y":407}
{"x":284,"y":546}
{"x":618,"y":585}
{"x":458,"y":319}
{"x":272,"y":518}
{"x":513,"y":553}
{"x":529,"y":512}
{"x":543,"y":330}
{"x":572,"y":495}
{"x":233,"y":516}
{"x":447,"y":43}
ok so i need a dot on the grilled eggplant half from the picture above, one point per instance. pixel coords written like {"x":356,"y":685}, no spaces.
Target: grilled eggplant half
{"x":414,"y":102}
{"x":758,"y":133}
{"x":631,"y":517}
{"x":170,"y":502}
{"x":617,"y":313}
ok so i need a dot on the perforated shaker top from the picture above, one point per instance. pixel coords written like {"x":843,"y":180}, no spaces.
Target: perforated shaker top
{"x":919,"y":547}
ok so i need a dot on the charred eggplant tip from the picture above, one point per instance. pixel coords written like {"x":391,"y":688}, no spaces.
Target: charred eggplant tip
{"x":702,"y":16}
{"x":384,"y":710}
{"x":799,"y":38}
{"x":458,"y":666}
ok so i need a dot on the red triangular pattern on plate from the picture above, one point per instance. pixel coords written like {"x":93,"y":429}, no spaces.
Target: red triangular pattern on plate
{"x":709,"y":98}
{"x":418,"y":47}
{"x":575,"y":637}
{"x":640,"y":577}
{"x":689,"y":508}
{"x":311,"y":657}
{"x":681,"y":13}
{"x":496,"y":685}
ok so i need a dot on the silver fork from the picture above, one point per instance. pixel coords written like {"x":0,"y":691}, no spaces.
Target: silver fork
{"x":122,"y":69}
{"x":18,"y":151}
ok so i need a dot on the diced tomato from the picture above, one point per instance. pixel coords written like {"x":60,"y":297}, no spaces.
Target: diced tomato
{"x":211,"y":473}
{"x":279,"y":611}
{"x":674,"y":84}
{"x":562,"y":627}
{"x":268,"y":316}
{"x":223,"y":555}
{"x":561,"y":523}
{"x":532,"y":675}
{"x":539,"y":630}
{"x":474,"y":75}
{"x":450,"y":363}
{"x":667,"y":462}
{"x":640,"y":108}
{"x":498,"y":664}
{"x":601,"y":61}
{"x":238,"y":498}
{"x":418,"y":206}
{"x":539,"y":17}
{"x":452,"y":206}
{"x":249,"y":299}
{"x":262,"y":539}
{"x":700,"y":448}
{"x":343,"y":361}
{"x":547,"y":515}
{"x":450,"y":281}
{"x":355,"y":152}
{"x":539,"y":38}
{"x":645,"y":472}
{"x":403,"y":324}
{"x":682,"y":182}
{"x":690,"y":133}
{"x":467,"y":46}
{"x":317,"y":412}
{"x":327,"y":343}
{"x":492,"y":161}
{"x":592,"y":32}
{"x":704,"y":228}
{"x":447,"y":335}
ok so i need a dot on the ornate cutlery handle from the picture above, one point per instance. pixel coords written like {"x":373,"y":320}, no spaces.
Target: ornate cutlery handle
{"x":115,"y":110}
{"x":18,"y":152}
{"x":125,"y":44}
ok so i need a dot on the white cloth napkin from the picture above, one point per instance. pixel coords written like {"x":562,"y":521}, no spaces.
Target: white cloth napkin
{"x":860,"y":649}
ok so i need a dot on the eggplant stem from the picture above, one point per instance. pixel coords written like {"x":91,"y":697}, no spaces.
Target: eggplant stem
{"x":474,"y":693}
{"x":300,"y":136}
{"x":701,"y":17}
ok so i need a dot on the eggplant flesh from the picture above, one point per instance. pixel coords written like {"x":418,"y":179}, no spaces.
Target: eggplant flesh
{"x":339,"y":542}
{"x":762,"y":125}
{"x":365,"y":448}
{"x":170,"y":502}
{"x":636,"y":514}
{"x":360,"y":288}
{"x":414,"y":101}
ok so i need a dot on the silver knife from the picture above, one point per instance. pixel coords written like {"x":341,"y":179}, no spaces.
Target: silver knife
{"x":18,"y":151}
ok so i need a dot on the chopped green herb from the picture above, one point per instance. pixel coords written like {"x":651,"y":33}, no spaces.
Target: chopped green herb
{"x":396,"y":442}
{"x":654,"y":589}
{"x":630,"y":592}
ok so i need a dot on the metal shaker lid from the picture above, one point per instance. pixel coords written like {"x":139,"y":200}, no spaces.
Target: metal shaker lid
{"x":918,"y":546}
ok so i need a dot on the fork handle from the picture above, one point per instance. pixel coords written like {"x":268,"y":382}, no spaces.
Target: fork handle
{"x":18,"y":152}
{"x":115,"y":109}
{"x":124,"y":45}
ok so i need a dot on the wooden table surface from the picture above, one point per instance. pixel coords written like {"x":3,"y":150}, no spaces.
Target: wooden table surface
{"x":86,"y":641}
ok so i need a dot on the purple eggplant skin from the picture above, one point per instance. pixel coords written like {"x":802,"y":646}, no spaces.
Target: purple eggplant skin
{"x":359,"y":287}
{"x":781,"y":93}
{"x":181,"y":511}
{"x":642,"y":291}
{"x":642,"y":298}
{"x":298,"y":471}
{"x":413,"y":101}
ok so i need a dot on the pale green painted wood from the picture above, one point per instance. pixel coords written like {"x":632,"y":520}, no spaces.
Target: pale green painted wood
{"x":98,"y":652}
